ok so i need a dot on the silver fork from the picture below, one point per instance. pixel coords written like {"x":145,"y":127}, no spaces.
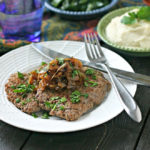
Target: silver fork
{"x":96,"y":55}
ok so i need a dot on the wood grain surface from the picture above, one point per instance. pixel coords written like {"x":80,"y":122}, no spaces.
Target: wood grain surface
{"x":12,"y":138}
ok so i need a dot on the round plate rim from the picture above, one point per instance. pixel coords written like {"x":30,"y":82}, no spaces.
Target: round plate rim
{"x":45,"y":131}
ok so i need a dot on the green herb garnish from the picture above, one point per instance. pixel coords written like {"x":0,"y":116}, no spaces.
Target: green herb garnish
{"x":75,"y":96}
{"x":23,"y":103}
{"x":34,"y":115}
{"x":142,"y":14}
{"x":13,"y":87}
{"x":28,"y":100}
{"x":85,"y":84}
{"x":61,"y":107}
{"x":93,"y":83}
{"x":54,"y":98}
{"x":75,"y":73}
{"x":94,"y":77}
{"x":85,"y":95}
{"x":18,"y":100}
{"x":76,"y":93}
{"x":128,"y":20}
{"x":43,"y":63}
{"x":20,"y":75}
{"x":22,"y":88}
{"x":71,"y":65}
{"x":63,"y":99}
{"x":45,"y":115}
{"x":45,"y":74}
{"x":89,"y":71}
{"x":60,"y":60}
{"x":54,"y":107}
{"x":47,"y":104}
{"x":87,"y":79}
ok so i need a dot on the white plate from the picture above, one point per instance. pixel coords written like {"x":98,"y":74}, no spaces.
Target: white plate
{"x":26,"y":58}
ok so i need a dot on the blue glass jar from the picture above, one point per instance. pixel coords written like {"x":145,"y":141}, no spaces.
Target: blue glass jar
{"x":21,"y":19}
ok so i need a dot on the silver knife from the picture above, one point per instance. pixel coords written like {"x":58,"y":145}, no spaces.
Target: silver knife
{"x":134,"y":77}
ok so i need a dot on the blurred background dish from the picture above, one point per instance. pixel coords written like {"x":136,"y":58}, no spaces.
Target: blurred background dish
{"x":86,"y":12}
{"x":127,"y":3}
{"x":101,"y":28}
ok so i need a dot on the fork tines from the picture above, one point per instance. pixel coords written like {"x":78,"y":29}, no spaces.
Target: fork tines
{"x":91,"y":49}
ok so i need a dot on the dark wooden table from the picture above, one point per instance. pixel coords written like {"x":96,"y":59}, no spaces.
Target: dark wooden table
{"x":121,"y":133}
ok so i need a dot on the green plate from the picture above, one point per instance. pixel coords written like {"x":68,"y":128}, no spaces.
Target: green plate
{"x":141,"y":52}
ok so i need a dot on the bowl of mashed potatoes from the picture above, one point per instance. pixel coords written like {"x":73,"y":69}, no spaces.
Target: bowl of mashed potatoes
{"x":127,"y":30}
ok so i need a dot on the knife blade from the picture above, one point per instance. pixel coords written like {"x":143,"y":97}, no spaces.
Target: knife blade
{"x":134,"y":77}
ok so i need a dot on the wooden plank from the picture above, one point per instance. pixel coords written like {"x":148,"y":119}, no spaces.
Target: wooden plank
{"x":11,"y":138}
{"x":67,"y":141}
{"x":144,"y":142}
{"x":119,"y":134}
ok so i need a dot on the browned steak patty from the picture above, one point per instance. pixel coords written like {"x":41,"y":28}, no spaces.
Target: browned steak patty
{"x":60,"y":104}
{"x":26,"y":102}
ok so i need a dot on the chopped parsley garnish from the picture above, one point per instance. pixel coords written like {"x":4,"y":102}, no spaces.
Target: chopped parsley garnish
{"x":60,"y":60}
{"x":43,"y":63}
{"x":75,"y":73}
{"x":34,"y":115}
{"x":87,"y":79}
{"x":75,"y":96}
{"x":54,"y":98}
{"x":76,"y":93}
{"x":71,"y":65}
{"x":61,"y":107}
{"x":93,"y":83}
{"x":45,"y":74}
{"x":24,"y":95}
{"x":133,"y":17}
{"x":47,"y":104}
{"x":22,"y":88}
{"x":54,"y":107}
{"x":63,"y":99}
{"x":85,"y":95}
{"x":45,"y":115}
{"x":85,"y":84}
{"x":94,"y":77}
{"x":23,"y":103}
{"x":18,"y":100}
{"x":20,"y":75}
{"x":28,"y":100}
{"x":89,"y":71}
{"x":13,"y":87}
{"x":53,"y":64}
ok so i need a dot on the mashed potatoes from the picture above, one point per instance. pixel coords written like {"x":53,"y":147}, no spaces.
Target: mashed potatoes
{"x":134,"y":35}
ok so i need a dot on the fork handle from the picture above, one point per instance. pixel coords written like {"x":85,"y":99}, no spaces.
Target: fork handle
{"x":125,"y":97}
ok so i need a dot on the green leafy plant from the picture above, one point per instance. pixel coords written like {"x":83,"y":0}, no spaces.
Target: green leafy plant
{"x":142,"y":14}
